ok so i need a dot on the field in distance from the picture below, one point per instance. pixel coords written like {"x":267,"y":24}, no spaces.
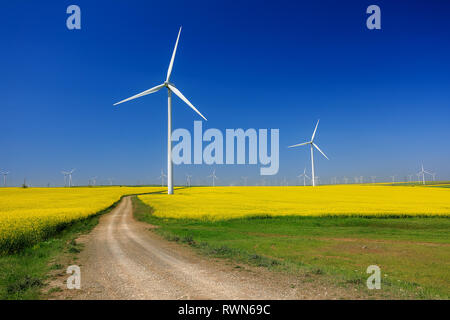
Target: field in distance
{"x":340,"y":200}
{"x":30,"y":215}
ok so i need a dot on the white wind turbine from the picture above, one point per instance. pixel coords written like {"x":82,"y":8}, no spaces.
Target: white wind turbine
{"x":422,"y":173}
{"x":188,"y":180}
{"x":304,"y":176}
{"x":170,"y":88}
{"x":94,"y":181}
{"x":317,"y":179}
{"x":312,"y":145}
{"x":110,"y":181}
{"x":68,"y":174}
{"x":5,"y":174}
{"x":245,"y":180}
{"x":393,"y":178}
{"x":213,"y":176}
{"x":162,"y":176}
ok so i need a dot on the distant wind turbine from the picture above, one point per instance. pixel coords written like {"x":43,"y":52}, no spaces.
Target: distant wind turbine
{"x":4,"y":173}
{"x":304,"y":176}
{"x":312,"y":145}
{"x":393,"y":178}
{"x":170,"y":88}
{"x":93,"y":181}
{"x":317,"y":180}
{"x":373,"y":178}
{"x":245,"y":180}
{"x":188,"y":180}
{"x":422,"y":173}
{"x":213,"y":176}
{"x":68,"y":174}
{"x":162,"y":176}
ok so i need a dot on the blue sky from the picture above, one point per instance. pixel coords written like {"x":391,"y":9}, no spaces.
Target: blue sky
{"x":382,"y":96}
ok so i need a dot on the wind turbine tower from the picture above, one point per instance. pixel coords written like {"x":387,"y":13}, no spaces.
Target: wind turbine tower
{"x":312,"y":146}
{"x":304,"y":176}
{"x":5,"y":174}
{"x":170,"y":88}
{"x":213,"y":176}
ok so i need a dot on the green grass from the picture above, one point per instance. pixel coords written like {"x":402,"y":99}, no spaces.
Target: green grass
{"x":23,"y":275}
{"x":413,"y":253}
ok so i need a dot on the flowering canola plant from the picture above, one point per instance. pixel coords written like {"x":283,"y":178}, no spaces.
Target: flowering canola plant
{"x":216,"y":203}
{"x":32,"y":214}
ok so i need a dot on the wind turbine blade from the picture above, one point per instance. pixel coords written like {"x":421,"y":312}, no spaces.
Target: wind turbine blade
{"x":315,"y":129}
{"x":169,"y":71}
{"x":144,"y":93}
{"x":300,"y":144}
{"x":427,"y":172}
{"x":315,"y":145}
{"x":180,"y":95}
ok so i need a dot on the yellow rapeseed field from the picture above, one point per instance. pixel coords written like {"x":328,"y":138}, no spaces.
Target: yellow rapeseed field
{"x":30,"y":215}
{"x":359,"y":200}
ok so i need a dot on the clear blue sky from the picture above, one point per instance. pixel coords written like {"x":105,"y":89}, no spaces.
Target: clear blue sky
{"x":383,"y":96}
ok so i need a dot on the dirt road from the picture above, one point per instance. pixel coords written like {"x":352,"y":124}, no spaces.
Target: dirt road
{"x":122,"y":259}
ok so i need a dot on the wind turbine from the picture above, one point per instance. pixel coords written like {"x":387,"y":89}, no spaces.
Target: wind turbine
{"x":422,"y":172}
{"x":110,"y":181}
{"x":373,"y":178}
{"x":393,"y":178}
{"x":65,"y":177}
{"x":304,"y":176}
{"x":245,"y":180}
{"x":70,"y":177}
{"x":312,"y":145}
{"x":68,"y":174}
{"x":188,"y":180}
{"x":170,"y":88}
{"x":317,"y":179}
{"x":213,"y":176}
{"x":4,"y":173}
{"x":162,"y":176}
{"x":94,"y":180}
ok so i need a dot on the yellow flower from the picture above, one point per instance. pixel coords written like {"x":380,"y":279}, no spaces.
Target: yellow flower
{"x":357,"y":200}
